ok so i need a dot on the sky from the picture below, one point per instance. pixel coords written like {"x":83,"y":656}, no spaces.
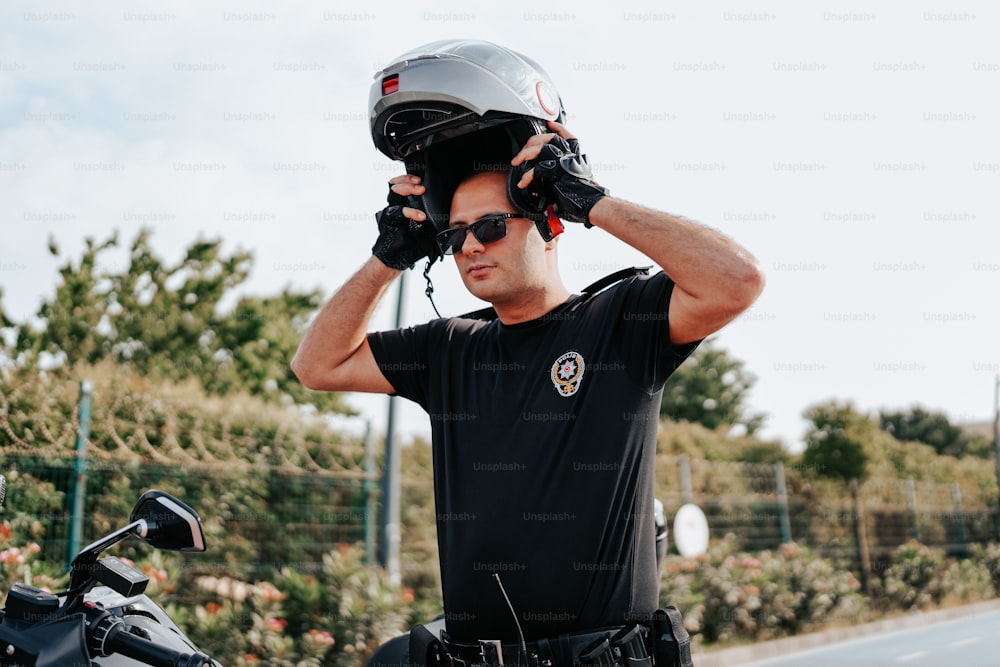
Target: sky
{"x":853,"y":148}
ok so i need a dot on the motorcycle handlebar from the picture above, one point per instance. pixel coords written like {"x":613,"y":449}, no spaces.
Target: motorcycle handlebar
{"x":120,"y":640}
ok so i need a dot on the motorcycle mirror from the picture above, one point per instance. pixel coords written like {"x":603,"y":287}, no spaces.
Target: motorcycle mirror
{"x":167,"y":523}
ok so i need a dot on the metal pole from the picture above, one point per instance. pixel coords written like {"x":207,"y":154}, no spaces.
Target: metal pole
{"x":390,"y":477}
{"x":371,"y":538}
{"x":864,"y":555}
{"x":80,"y":472}
{"x":786,"y":523}
{"x":996,"y":443}
{"x":687,"y":496}
{"x":911,"y":501}
{"x":956,"y":497}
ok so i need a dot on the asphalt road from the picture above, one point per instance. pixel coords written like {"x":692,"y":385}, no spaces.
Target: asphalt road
{"x":971,"y":641}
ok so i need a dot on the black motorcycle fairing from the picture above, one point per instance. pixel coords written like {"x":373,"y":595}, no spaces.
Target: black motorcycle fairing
{"x":51,"y":644}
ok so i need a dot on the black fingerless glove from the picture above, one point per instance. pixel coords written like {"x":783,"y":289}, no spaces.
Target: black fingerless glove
{"x":403,"y":242}
{"x":562,"y":177}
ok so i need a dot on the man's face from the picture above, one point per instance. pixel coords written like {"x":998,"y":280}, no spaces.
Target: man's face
{"x":505,"y":270}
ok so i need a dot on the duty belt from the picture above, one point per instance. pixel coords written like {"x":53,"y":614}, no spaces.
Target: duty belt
{"x":596,"y":648}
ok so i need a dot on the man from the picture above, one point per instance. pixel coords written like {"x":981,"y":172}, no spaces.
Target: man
{"x":543,"y":420}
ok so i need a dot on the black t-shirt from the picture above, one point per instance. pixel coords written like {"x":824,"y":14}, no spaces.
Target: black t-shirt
{"x":544,"y":438}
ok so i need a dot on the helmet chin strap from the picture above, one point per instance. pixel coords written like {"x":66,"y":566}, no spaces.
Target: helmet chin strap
{"x":430,"y":286}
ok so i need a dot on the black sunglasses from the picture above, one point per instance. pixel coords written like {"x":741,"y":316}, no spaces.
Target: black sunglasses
{"x":487,"y":229}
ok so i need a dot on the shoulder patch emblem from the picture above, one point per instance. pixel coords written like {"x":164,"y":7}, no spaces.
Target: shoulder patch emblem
{"x":567,"y":372}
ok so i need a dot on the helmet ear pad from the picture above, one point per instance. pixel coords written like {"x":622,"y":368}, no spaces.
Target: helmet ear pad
{"x":443,"y":165}
{"x":530,"y":204}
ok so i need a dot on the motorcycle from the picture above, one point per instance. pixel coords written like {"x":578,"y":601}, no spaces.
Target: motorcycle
{"x":104,"y":618}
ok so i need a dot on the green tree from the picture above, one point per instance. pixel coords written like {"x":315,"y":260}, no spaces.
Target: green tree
{"x":836,"y":440}
{"x":711,"y":388}
{"x":165,"y":321}
{"x":72,"y":319}
{"x":6,"y":324}
{"x":930,"y":428}
{"x":4,"y":321}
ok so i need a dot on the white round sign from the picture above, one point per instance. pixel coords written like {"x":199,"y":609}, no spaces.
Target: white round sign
{"x":690,"y":531}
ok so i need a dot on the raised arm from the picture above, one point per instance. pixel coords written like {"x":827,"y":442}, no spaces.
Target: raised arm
{"x":334,"y":354}
{"x":715,"y":279}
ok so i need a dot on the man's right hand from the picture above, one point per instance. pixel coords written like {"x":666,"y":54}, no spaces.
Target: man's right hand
{"x":550,"y":169}
{"x":405,"y":234}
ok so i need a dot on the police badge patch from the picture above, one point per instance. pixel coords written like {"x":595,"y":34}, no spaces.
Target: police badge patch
{"x":567,"y":372}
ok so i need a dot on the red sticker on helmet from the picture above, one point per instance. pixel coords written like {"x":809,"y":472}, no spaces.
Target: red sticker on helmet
{"x":547,"y":98}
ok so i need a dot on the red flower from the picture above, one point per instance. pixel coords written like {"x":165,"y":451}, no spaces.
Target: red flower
{"x":321,"y":637}
{"x":276,"y":624}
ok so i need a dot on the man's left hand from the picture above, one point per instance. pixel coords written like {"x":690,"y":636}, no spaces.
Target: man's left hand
{"x":550,"y":169}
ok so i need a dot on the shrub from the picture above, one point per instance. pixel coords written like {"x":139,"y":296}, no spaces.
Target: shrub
{"x":968,"y":580}
{"x":989,"y":557}
{"x":15,"y":561}
{"x":728,"y":595}
{"x":914,"y":579}
{"x":336,"y":614}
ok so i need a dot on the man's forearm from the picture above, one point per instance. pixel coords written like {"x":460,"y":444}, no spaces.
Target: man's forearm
{"x":341,"y":325}
{"x":695,"y":256}
{"x":716,"y":278}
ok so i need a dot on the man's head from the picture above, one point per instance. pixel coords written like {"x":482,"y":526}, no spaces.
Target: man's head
{"x":515,"y":268}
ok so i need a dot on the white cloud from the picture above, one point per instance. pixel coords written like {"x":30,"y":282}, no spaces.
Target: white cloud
{"x":852,"y":150}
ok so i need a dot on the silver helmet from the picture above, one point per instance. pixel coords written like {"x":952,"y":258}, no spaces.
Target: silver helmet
{"x":456,"y":106}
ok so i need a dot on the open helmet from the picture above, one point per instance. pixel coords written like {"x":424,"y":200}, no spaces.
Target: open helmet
{"x":453,"y":107}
